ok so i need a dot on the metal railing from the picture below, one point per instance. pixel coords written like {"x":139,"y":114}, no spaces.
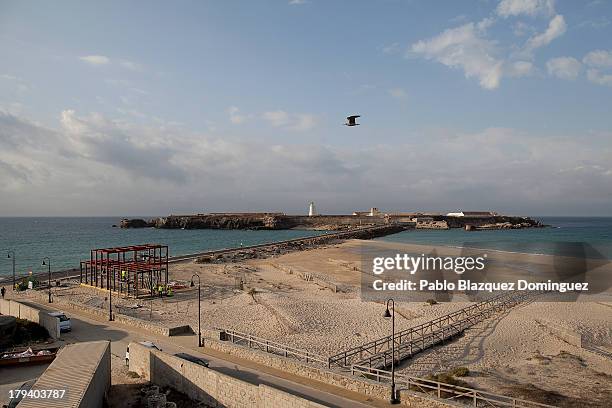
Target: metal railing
{"x":273,"y":347}
{"x":473,"y":397}
{"x":412,"y":346}
{"x":471,"y":314}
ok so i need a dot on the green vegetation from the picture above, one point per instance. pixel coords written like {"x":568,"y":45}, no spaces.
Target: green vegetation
{"x":447,"y":378}
{"x":431,"y":302}
{"x":27,"y":332}
{"x":460,"y":372}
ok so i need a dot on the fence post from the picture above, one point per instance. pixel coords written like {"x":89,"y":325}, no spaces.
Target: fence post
{"x":439,"y":390}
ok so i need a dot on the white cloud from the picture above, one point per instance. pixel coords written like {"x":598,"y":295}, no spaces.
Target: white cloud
{"x":132,"y":66}
{"x":518,"y":68}
{"x":277,"y":118}
{"x":159,"y":169}
{"x":508,"y":8}
{"x":393,"y":48}
{"x":556,"y":28}
{"x":564,"y":67}
{"x":236,"y":117}
{"x":95,"y":59}
{"x":398,"y":93}
{"x":599,"y":59}
{"x":297,"y":2}
{"x":297,"y":121}
{"x":597,"y":77}
{"x":465,"y":47}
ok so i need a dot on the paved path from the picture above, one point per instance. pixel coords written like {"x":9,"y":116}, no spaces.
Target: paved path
{"x":87,"y":327}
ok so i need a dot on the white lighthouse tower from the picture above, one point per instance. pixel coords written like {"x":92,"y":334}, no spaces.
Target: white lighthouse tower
{"x":312,"y":211}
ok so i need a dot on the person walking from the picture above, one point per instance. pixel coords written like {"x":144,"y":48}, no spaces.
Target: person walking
{"x":3,"y":291}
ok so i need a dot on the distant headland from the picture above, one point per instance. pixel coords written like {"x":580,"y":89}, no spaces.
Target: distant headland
{"x":469,"y":220}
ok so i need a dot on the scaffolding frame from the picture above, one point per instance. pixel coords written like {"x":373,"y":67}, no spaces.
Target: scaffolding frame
{"x":144,"y":267}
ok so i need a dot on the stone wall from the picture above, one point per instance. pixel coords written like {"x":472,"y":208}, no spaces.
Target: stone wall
{"x":346,"y":381}
{"x":206,"y":385}
{"x":21,"y":311}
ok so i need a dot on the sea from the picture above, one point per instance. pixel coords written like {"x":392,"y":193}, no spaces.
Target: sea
{"x":68,"y":240}
{"x":589,"y":237}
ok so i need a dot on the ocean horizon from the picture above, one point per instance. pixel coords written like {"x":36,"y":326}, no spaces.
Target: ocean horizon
{"x":68,"y":240}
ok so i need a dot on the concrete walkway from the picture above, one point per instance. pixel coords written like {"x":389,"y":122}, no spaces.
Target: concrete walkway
{"x":86,"y":327}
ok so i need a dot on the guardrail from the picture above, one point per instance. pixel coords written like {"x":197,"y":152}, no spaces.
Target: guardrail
{"x":273,"y":347}
{"x":430,"y":388}
{"x":430,"y":328}
{"x":471,"y":396}
{"x":411,"y":347}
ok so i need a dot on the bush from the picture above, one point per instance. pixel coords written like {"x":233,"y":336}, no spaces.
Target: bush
{"x":460,"y":372}
{"x":431,"y":302}
{"x":27,"y":332}
{"x":446,"y":378}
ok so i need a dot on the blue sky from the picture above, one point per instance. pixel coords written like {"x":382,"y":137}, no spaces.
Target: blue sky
{"x":189,"y":106}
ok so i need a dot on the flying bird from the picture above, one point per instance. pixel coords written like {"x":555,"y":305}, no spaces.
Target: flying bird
{"x":350,"y":120}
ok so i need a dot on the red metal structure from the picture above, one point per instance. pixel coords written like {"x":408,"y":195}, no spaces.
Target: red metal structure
{"x":132,"y":270}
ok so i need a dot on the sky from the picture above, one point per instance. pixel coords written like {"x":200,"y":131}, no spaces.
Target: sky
{"x":152,"y":108}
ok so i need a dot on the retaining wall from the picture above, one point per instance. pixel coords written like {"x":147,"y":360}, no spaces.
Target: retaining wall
{"x":206,"y":385}
{"x":346,"y":381}
{"x":21,"y":311}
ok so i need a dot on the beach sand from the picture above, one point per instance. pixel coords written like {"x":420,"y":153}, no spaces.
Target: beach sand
{"x":531,"y":351}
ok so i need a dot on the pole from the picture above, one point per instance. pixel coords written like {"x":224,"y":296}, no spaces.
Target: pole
{"x":199,"y":316}
{"x":14,"y":282}
{"x":199,"y":308}
{"x":47,"y":261}
{"x":11,"y":255}
{"x":394,"y":398}
{"x":110,"y":304}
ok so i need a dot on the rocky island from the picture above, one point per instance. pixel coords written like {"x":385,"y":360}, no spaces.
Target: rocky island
{"x":280,"y":221}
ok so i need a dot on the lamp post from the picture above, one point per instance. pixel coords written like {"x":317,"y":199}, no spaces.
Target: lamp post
{"x":47,"y":261}
{"x":199,"y":314}
{"x":394,"y":397}
{"x":110,"y":301}
{"x":11,"y":255}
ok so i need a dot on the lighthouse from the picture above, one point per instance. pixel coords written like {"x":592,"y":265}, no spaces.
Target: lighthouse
{"x":311,"y":209}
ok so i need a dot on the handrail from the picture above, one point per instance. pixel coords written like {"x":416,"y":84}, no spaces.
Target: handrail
{"x":466,"y":311}
{"x":438,"y":335}
{"x":269,"y":344}
{"x":455,"y":391}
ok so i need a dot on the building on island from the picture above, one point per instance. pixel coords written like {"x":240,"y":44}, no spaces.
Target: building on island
{"x":374,"y":212}
{"x":472,"y":214}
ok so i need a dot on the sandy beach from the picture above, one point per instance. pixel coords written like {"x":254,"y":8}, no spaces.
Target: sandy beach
{"x":556,"y":352}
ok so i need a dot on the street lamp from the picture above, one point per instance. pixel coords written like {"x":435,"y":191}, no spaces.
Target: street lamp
{"x":110,"y":301}
{"x":199,"y":314}
{"x":11,"y":255}
{"x":47,"y":261}
{"x":394,"y":396}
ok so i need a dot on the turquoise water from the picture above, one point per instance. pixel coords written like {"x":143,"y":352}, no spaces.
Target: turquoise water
{"x":573,"y":236}
{"x":68,"y":240}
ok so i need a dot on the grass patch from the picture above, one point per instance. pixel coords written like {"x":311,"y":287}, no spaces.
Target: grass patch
{"x":447,"y":378}
{"x":460,"y":372}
